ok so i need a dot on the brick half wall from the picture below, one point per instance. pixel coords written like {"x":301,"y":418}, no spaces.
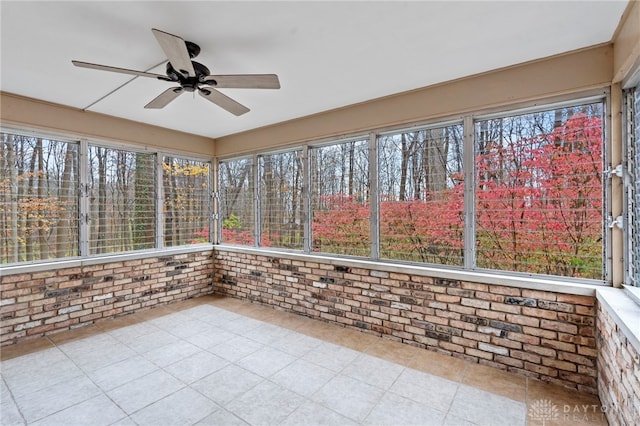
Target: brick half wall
{"x":618,"y":325}
{"x":39,"y":303}
{"x":545,"y":335}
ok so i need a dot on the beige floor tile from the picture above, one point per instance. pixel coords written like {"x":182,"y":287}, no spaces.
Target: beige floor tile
{"x":393,"y":351}
{"x":75,"y":334}
{"x":25,"y":347}
{"x":115,"y":323}
{"x":541,"y":399}
{"x":571,"y":407}
{"x":498,"y":382}
{"x":440,"y":365}
{"x":352,"y":339}
{"x":287,"y":320}
{"x":316,"y":328}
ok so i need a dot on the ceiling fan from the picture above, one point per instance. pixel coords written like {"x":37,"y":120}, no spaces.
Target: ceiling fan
{"x":192,"y":76}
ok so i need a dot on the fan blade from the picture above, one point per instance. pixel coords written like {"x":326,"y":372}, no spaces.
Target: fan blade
{"x":244,"y":81}
{"x":223,"y":101}
{"x":176,"y":50}
{"x":165,"y":97}
{"x":119,"y":70}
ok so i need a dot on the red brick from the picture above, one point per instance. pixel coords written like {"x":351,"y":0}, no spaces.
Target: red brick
{"x":559,"y":326}
{"x":509,"y":291}
{"x":526,"y":356}
{"x":478,"y":353}
{"x":547,"y":371}
{"x":489,"y":296}
{"x":523,"y":320}
{"x":513,"y":309}
{"x":474,"y":286}
{"x":576,"y":299}
{"x":539,"y":313}
{"x":561,"y":365}
{"x":537,"y":294}
{"x":509,"y":361}
{"x":545,"y":352}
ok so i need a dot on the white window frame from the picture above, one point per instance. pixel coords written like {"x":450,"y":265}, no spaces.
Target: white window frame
{"x":83,"y":205}
{"x":468,"y":121}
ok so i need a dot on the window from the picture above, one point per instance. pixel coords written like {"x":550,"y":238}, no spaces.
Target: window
{"x":237,"y":202}
{"x":340,"y":198}
{"x":121,"y":191}
{"x":187,"y":201}
{"x":520,"y":192}
{"x":281,"y":200}
{"x":421,"y":189}
{"x":632,"y":186}
{"x":62,"y":199}
{"x":39,"y":204}
{"x":539,"y":196}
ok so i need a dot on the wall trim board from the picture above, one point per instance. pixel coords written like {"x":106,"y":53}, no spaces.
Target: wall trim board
{"x":571,"y":72}
{"x":34,"y":114}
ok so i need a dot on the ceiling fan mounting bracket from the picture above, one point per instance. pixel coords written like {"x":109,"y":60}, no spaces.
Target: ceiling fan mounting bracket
{"x":192,"y":48}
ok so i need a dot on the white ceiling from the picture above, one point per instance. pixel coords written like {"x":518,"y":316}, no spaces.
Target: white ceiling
{"x":327,"y":54}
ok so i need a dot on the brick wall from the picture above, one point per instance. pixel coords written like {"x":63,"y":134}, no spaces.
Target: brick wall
{"x":541,"y":334}
{"x":618,"y":371}
{"x":38,"y":303}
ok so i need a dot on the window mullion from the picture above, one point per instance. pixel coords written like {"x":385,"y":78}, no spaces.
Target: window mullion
{"x":83,"y":204}
{"x":257,"y":204}
{"x":469,"y":193}
{"x":306,"y":200}
{"x":374,"y":199}
{"x":216,"y":220}
{"x":159,"y":213}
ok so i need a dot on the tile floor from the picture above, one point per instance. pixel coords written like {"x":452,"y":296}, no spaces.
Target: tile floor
{"x":221,"y":361}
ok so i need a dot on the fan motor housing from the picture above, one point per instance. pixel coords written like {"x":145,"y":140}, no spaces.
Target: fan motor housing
{"x":188,"y":83}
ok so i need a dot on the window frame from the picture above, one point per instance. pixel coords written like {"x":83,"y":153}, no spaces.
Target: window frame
{"x":56,"y":137}
{"x":630,"y":176}
{"x":310,"y":156}
{"x":82,"y":236}
{"x":600,"y":96}
{"x":419,"y":128}
{"x":218,"y":198}
{"x":300,"y":152}
{"x":468,"y":120}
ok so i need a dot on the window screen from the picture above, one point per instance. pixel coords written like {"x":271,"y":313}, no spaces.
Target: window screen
{"x":237,"y":201}
{"x":539,"y":196}
{"x":39,"y":199}
{"x":632,"y":186}
{"x":421,"y":189}
{"x":281,"y":207}
{"x":121,"y":191}
{"x":187,"y":201}
{"x":340,"y":198}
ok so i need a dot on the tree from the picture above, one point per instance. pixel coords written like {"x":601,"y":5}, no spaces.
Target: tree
{"x":236,"y":201}
{"x":10,"y":189}
{"x":538,"y":198}
{"x":64,"y":238}
{"x":539,"y":201}
{"x":144,"y":202}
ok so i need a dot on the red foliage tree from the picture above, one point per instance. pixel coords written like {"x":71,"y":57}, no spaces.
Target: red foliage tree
{"x":539,"y":202}
{"x":538,"y":210}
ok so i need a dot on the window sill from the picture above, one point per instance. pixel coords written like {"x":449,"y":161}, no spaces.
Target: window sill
{"x":484,"y":277}
{"x":625,"y":311}
{"x":97,"y":260}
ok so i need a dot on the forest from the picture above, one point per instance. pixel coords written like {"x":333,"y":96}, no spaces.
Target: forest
{"x":530,"y":201}
{"x":59,"y":202}
{"x":536,"y":192}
